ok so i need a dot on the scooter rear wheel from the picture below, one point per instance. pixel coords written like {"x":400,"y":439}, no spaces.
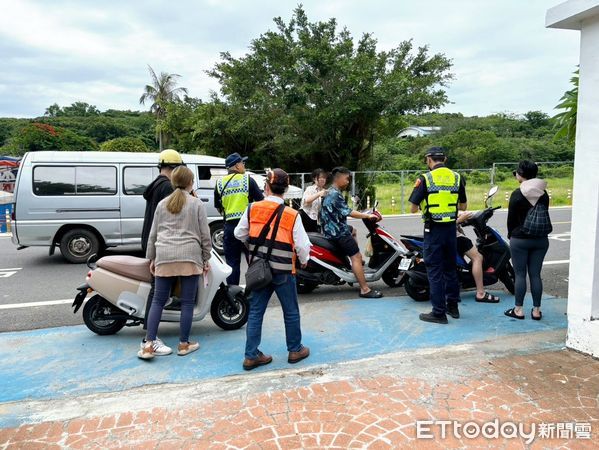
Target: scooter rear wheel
{"x":94,"y":309}
{"x":418,"y":293}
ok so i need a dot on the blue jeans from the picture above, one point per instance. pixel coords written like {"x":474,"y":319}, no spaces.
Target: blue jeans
{"x":233,"y":248}
{"x":189,"y":288}
{"x":284,"y":285}
{"x":440,"y":251}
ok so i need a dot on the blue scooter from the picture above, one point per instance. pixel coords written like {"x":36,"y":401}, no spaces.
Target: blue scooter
{"x":490,"y":244}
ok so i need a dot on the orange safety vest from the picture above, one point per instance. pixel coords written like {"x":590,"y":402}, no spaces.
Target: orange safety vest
{"x":282,"y":258}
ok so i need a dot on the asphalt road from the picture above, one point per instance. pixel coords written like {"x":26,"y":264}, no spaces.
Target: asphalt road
{"x":29,"y":276}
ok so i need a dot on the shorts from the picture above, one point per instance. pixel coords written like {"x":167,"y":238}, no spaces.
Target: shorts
{"x":464,"y":245}
{"x":347,"y":244}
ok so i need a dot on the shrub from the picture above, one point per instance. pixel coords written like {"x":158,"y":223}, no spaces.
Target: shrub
{"x":124,"y":144}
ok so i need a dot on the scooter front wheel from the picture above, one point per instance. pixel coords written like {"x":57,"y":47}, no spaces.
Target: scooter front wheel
{"x":508,"y":278}
{"x":94,"y":315}
{"x":305,"y":287}
{"x":227,"y":315}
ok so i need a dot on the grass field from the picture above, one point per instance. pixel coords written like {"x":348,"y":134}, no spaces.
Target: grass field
{"x":558,"y":188}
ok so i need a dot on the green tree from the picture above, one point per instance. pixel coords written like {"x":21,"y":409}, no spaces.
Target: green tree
{"x":565,"y":121}
{"x":124,"y":144}
{"x":162,"y":91}
{"x":80,"y":109}
{"x":537,"y":119}
{"x":53,"y":110}
{"x":308,"y":95}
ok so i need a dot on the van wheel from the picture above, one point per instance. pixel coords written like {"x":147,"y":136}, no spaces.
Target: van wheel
{"x":94,"y":313}
{"x":217,"y":234}
{"x":78,"y":245}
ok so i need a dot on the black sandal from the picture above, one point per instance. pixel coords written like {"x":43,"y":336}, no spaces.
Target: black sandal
{"x":372,"y":294}
{"x":535,"y":318}
{"x":511,"y":313}
{"x":487,"y":298}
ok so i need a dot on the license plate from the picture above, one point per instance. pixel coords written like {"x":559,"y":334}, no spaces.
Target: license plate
{"x":405,"y":264}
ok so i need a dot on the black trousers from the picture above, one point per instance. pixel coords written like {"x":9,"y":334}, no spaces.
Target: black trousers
{"x":440,"y":251}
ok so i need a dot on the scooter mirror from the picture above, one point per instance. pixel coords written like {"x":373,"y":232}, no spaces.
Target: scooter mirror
{"x":356,"y":200}
{"x":490,"y":195}
{"x":376,"y":205}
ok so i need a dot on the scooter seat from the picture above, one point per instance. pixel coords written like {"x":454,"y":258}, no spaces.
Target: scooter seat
{"x":321,"y":241}
{"x":127,"y":266}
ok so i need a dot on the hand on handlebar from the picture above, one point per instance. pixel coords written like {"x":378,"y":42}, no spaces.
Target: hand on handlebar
{"x":464,"y":216}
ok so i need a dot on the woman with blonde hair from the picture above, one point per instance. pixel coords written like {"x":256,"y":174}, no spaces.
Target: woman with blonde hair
{"x":179,"y":246}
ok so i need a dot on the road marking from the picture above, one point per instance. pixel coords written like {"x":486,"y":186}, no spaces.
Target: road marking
{"x":561,"y":261}
{"x":5,"y":273}
{"x":35,"y":304}
{"x":561,"y":223}
{"x":563,"y":237}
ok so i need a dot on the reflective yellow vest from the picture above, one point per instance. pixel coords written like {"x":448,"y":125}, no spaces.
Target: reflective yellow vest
{"x":235,"y":197}
{"x":441,"y":201}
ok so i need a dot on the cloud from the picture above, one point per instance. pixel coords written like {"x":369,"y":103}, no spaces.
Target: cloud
{"x":64,"y":51}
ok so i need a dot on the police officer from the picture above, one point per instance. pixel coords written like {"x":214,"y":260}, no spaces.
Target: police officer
{"x":232,"y":194}
{"x":439,"y":194}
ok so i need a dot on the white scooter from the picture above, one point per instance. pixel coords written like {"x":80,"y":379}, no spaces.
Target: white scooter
{"x":121,"y":284}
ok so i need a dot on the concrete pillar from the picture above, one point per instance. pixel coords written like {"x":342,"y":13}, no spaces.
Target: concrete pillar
{"x":583,"y":290}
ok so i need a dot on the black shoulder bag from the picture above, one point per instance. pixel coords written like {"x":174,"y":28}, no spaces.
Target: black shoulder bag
{"x":259,"y":273}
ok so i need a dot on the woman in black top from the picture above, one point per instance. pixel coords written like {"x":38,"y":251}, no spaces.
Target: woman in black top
{"x":528,"y":252}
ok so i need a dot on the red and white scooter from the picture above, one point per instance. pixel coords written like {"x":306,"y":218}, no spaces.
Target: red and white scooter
{"x":328,"y":265}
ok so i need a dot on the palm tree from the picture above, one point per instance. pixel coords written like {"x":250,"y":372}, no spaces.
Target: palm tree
{"x":566,"y":120}
{"x":162,"y":91}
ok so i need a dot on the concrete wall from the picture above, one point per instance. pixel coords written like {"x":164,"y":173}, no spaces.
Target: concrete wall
{"x":583,"y":291}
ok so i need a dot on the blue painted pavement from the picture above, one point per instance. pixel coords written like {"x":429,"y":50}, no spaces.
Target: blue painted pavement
{"x":69,"y":361}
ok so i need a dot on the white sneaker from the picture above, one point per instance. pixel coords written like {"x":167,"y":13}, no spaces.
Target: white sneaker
{"x":160,"y":349}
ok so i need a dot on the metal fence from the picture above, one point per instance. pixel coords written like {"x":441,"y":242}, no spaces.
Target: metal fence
{"x":393,"y":187}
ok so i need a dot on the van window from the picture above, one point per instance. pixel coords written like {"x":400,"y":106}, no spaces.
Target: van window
{"x":207,"y":176}
{"x":74,"y":180}
{"x":136,"y":179}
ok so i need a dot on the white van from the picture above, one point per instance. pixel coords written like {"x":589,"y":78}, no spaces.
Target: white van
{"x":83,"y":202}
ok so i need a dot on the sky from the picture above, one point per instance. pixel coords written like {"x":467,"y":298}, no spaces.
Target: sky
{"x":63,"y":51}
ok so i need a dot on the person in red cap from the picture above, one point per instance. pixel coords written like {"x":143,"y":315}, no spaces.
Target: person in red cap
{"x":289,"y":241}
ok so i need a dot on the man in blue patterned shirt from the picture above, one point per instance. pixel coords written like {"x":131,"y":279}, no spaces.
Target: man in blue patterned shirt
{"x":333,"y":217}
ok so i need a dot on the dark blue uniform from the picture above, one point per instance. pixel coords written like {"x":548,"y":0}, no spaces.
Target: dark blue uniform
{"x":440,"y":250}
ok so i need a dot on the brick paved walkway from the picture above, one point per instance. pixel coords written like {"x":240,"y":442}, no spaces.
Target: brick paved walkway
{"x":377,"y":412}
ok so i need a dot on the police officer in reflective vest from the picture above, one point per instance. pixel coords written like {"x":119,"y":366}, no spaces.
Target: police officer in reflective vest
{"x":232,"y":194}
{"x":439,"y":194}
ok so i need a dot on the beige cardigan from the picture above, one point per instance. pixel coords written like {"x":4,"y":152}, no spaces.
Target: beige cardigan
{"x":183,"y":237}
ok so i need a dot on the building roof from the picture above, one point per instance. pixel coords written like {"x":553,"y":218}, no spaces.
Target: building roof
{"x":569,"y":15}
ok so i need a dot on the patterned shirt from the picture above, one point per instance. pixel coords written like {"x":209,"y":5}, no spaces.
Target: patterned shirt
{"x":333,"y":215}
